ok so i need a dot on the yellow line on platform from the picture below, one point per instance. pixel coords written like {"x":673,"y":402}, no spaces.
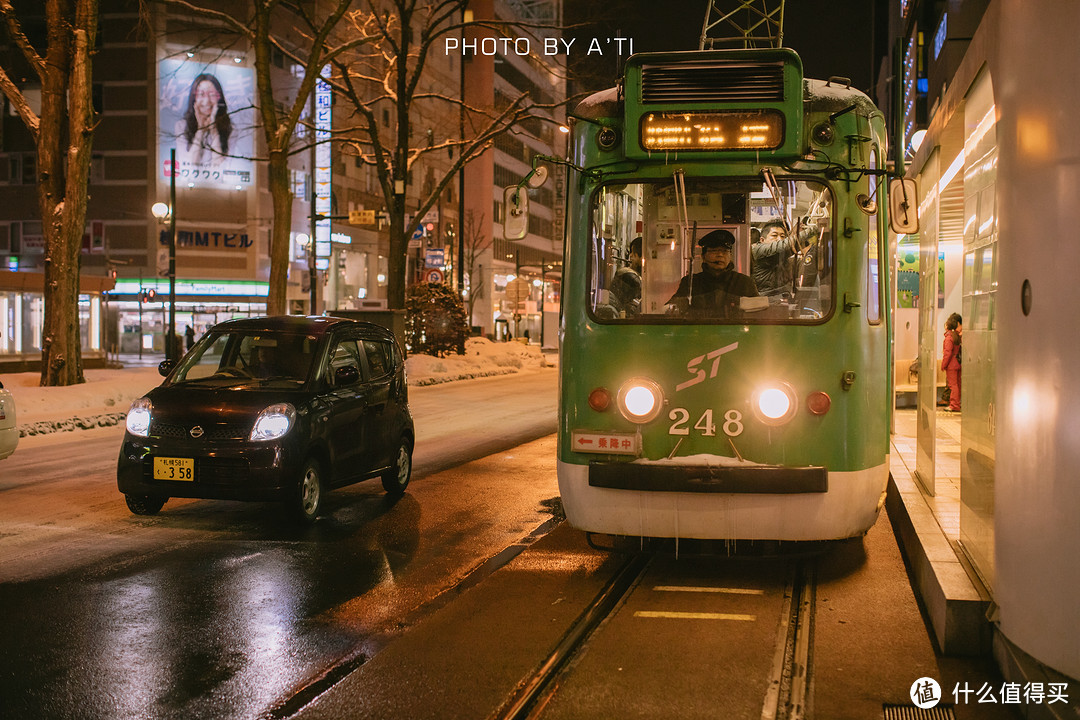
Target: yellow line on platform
{"x":692,"y":615}
{"x":689,"y":588}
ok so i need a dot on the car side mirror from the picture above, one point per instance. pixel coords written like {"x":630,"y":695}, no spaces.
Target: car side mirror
{"x":346,"y":375}
{"x":165,"y":367}
{"x":903,"y":206}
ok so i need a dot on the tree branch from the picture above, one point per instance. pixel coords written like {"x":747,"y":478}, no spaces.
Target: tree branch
{"x":15,"y":32}
{"x":18,"y":101}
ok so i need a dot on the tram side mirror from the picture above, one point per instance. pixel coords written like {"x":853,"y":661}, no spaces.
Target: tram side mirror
{"x":903,"y":206}
{"x":516,"y":212}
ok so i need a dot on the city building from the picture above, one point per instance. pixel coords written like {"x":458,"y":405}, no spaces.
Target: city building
{"x":497,"y":74}
{"x":150,"y":74}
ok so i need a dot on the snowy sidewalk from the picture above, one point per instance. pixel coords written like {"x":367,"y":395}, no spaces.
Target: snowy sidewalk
{"x":105,"y":397}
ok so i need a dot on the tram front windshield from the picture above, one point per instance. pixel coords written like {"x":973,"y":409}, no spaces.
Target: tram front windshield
{"x":697,"y":250}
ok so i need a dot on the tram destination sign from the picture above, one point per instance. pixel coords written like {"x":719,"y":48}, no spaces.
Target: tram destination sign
{"x":720,"y":130}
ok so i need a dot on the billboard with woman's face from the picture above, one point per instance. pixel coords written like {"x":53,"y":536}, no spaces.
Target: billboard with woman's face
{"x":205,"y":111}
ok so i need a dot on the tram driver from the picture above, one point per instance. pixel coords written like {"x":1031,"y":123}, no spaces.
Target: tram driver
{"x":715,"y":291}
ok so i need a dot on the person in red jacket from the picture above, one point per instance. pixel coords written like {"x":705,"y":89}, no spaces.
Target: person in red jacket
{"x":950,"y":359}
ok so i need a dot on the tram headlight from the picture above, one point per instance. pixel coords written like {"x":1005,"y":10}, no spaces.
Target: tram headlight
{"x":775,"y":404}
{"x":640,"y":400}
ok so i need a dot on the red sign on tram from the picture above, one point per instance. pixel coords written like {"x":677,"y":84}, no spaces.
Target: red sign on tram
{"x":606,"y":442}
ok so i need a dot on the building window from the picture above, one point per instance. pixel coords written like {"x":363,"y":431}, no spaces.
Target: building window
{"x":941,"y":34}
{"x":29,"y":169}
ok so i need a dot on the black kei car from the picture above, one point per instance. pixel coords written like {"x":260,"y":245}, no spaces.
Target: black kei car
{"x":275,"y":408}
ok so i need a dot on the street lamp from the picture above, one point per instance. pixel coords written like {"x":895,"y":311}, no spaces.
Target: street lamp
{"x":167,"y":214}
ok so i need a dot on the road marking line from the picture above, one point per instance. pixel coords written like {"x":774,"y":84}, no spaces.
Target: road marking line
{"x":687,"y":588}
{"x":693,"y":615}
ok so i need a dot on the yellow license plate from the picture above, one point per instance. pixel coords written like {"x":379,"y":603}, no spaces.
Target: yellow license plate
{"x":167,"y":468}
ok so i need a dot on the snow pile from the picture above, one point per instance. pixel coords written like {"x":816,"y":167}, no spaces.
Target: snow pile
{"x":106,"y":395}
{"x":102,"y":400}
{"x":482,"y":358}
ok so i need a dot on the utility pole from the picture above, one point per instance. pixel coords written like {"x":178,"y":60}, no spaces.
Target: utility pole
{"x":466,"y":16}
{"x":170,"y":341}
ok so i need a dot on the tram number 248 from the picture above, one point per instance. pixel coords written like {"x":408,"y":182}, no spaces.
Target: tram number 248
{"x":732,"y":424}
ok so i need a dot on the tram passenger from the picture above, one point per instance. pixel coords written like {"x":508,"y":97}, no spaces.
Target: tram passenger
{"x":715,"y":291}
{"x":626,"y":283}
{"x":773,"y":256}
{"x":950,"y":359}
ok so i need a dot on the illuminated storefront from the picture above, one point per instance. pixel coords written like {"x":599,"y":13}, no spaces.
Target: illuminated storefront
{"x":22,"y":312}
{"x":141,"y":308}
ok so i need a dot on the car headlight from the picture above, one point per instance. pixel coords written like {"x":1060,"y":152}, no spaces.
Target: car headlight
{"x":138,"y":417}
{"x":640,"y":400}
{"x":775,"y":404}
{"x":273,"y":422}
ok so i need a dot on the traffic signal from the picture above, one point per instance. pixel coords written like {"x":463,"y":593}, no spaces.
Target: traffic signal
{"x":148,"y":295}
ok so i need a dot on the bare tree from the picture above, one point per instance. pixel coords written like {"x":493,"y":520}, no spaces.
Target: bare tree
{"x":476,"y":242}
{"x":62,"y":133}
{"x":379,"y":54}
{"x":317,"y":44}
{"x":403,"y":35}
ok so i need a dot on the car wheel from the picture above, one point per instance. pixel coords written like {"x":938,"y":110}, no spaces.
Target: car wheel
{"x":396,"y":478}
{"x":144,"y":504}
{"x":307,"y":500}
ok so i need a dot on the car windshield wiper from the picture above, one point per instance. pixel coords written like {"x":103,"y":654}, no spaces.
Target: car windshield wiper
{"x":279,"y":378}
{"x":213,"y":380}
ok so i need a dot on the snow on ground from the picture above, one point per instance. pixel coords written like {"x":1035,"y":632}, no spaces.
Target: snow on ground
{"x":482,"y":358}
{"x":107,"y":394}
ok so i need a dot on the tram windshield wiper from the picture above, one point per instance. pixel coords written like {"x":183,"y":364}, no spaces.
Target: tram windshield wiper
{"x":774,"y":190}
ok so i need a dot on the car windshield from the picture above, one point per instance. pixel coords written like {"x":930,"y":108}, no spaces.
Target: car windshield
{"x":243,"y":358}
{"x":735,"y":250}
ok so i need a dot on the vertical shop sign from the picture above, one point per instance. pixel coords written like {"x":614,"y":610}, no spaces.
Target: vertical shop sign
{"x":323,"y":118}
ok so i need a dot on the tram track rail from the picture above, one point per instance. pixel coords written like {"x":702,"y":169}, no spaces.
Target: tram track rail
{"x":788,"y":693}
{"x":534,"y":691}
{"x":789,"y":683}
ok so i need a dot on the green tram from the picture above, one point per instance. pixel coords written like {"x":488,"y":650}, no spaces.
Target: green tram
{"x":694,"y":404}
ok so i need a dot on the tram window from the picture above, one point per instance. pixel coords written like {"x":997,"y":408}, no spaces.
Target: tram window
{"x":646,"y":261}
{"x":874,"y":252}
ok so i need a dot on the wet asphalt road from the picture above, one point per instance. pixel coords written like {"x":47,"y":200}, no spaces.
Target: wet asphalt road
{"x":224,"y":610}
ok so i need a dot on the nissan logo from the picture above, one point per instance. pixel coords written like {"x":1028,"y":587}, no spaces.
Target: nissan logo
{"x":196,"y":432}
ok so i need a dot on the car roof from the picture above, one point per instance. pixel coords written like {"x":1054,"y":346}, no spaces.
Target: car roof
{"x":308,"y":325}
